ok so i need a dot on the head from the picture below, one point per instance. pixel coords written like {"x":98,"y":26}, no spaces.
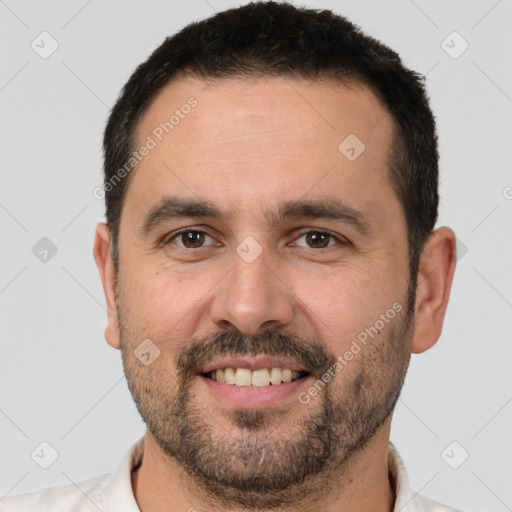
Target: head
{"x":271,"y":188}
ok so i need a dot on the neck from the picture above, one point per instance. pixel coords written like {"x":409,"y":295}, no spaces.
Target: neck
{"x":161,"y":484}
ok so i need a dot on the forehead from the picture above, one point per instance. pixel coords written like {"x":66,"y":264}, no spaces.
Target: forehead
{"x":254,"y":141}
{"x":327,"y":109}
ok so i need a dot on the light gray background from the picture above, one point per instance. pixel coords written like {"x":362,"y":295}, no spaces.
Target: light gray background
{"x":61,"y":383}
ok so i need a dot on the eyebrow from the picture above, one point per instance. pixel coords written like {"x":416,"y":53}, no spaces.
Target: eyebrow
{"x":173,"y":207}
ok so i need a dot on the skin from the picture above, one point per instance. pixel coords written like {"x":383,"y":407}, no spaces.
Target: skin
{"x":248,"y":145}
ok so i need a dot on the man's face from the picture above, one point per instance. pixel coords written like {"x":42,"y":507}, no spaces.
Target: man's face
{"x":310,"y":250}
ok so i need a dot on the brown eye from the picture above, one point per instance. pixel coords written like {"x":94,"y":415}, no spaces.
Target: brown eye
{"x":191,"y":239}
{"x":318,"y":240}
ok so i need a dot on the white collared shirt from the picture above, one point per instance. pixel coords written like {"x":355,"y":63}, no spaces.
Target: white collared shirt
{"x":114,"y":493}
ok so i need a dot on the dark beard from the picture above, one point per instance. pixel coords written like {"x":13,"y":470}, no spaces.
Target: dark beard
{"x":251,"y":466}
{"x":230,"y":467}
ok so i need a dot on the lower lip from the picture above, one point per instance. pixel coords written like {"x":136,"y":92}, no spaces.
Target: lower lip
{"x":250,"y":398}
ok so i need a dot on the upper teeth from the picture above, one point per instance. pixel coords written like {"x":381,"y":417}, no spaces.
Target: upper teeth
{"x":258,"y":378}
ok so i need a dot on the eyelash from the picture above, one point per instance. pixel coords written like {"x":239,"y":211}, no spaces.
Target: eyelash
{"x":341,"y":241}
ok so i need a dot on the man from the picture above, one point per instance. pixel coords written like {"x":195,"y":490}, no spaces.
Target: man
{"x":269,"y":263}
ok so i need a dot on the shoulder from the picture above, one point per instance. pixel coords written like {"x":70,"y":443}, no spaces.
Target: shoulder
{"x":83,"y":497}
{"x":423,"y":504}
{"x":406,"y":499}
{"x":112,"y":492}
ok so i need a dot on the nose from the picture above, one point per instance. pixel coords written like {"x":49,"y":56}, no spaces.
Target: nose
{"x":252,"y":297}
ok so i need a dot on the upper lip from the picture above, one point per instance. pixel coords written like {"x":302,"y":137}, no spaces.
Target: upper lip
{"x":252,"y":363}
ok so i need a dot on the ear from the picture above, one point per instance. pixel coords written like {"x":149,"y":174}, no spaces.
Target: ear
{"x":435,"y":276}
{"x":103,"y":258}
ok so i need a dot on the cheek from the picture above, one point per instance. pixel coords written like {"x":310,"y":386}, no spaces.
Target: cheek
{"x":164,"y":304}
{"x":345,"y":303}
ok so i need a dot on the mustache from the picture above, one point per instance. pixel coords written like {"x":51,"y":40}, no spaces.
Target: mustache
{"x":312,"y":355}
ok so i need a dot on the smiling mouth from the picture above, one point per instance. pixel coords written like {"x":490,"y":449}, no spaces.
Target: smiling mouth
{"x":258,"y":378}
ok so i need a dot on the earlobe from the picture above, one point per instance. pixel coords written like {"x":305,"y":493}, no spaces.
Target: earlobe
{"x":103,"y":258}
{"x":435,"y":276}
